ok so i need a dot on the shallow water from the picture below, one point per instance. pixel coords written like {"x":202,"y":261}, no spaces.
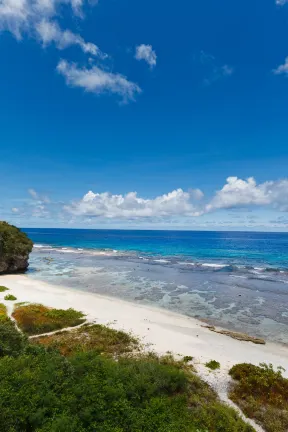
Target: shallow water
{"x":246,"y":294}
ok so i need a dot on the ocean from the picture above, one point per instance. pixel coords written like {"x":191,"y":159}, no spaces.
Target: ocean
{"x":237,"y":280}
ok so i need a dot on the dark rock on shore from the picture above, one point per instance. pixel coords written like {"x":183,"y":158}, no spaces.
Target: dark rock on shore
{"x":15,"y":248}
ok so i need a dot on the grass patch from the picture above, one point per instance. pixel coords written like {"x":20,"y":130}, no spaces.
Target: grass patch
{"x":96,"y":337}
{"x":213,"y":365}
{"x":10,"y":297}
{"x":35,"y":319}
{"x":3,"y":288}
{"x":3,"y":312}
{"x":262,"y":394}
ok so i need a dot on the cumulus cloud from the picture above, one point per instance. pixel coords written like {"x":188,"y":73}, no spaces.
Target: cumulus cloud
{"x":132,"y":206}
{"x":236,"y":193}
{"x":240,"y":193}
{"x":146,"y":53}
{"x":97,"y":80}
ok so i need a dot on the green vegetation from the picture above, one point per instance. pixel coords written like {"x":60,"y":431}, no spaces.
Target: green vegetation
{"x":95,"y":337}
{"x":101,"y":384}
{"x":187,"y":359}
{"x":12,"y":343}
{"x":15,"y":247}
{"x":35,"y":319}
{"x":3,"y":312}
{"x":262,"y":394}
{"x":213,"y":365}
{"x":3,"y":288}
{"x":10,"y":297}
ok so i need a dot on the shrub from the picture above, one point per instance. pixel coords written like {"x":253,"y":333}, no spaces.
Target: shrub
{"x":213,"y":365}
{"x":187,"y":359}
{"x":11,"y":341}
{"x":36,"y":319}
{"x":3,"y":288}
{"x":10,"y":297}
{"x":262,"y":394}
{"x":43,"y":391}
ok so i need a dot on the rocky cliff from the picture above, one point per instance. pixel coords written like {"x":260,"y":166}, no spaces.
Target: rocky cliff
{"x":15,"y":248}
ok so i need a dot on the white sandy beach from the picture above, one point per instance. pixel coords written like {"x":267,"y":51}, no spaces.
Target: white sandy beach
{"x":161,"y":330}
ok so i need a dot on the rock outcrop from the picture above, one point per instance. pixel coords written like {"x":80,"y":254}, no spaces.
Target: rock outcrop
{"x":15,"y":248}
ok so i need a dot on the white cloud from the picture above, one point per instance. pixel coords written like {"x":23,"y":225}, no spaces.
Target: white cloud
{"x":281,"y":2}
{"x":97,"y":80}
{"x":132,"y":206}
{"x":282,"y":69}
{"x":40,"y":19}
{"x":178,"y":206}
{"x":35,"y":18}
{"x":145,"y":52}
{"x":49,"y":31}
{"x":240,"y":193}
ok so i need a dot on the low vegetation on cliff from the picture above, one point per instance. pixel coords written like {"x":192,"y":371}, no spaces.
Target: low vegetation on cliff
{"x":15,"y":248}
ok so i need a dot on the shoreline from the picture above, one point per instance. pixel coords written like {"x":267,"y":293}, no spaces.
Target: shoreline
{"x":162,"y":329}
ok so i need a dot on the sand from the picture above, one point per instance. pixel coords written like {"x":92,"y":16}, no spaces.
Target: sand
{"x":158,"y":329}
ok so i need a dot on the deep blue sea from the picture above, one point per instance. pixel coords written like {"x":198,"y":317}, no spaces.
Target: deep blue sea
{"x":237,"y":280}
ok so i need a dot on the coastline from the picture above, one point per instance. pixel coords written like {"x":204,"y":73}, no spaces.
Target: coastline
{"x":160,"y":329}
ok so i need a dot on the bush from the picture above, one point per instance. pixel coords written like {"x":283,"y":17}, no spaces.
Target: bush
{"x":36,"y":319}
{"x":12,"y":342}
{"x":3,"y":288}
{"x":43,"y":391}
{"x":10,"y":297}
{"x":213,"y":365}
{"x":262,"y":394}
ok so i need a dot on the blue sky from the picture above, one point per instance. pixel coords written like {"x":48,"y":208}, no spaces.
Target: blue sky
{"x":164,"y":99}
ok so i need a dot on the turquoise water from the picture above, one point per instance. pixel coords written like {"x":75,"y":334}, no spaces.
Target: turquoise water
{"x":267,"y":249}
{"x":232,"y":279}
